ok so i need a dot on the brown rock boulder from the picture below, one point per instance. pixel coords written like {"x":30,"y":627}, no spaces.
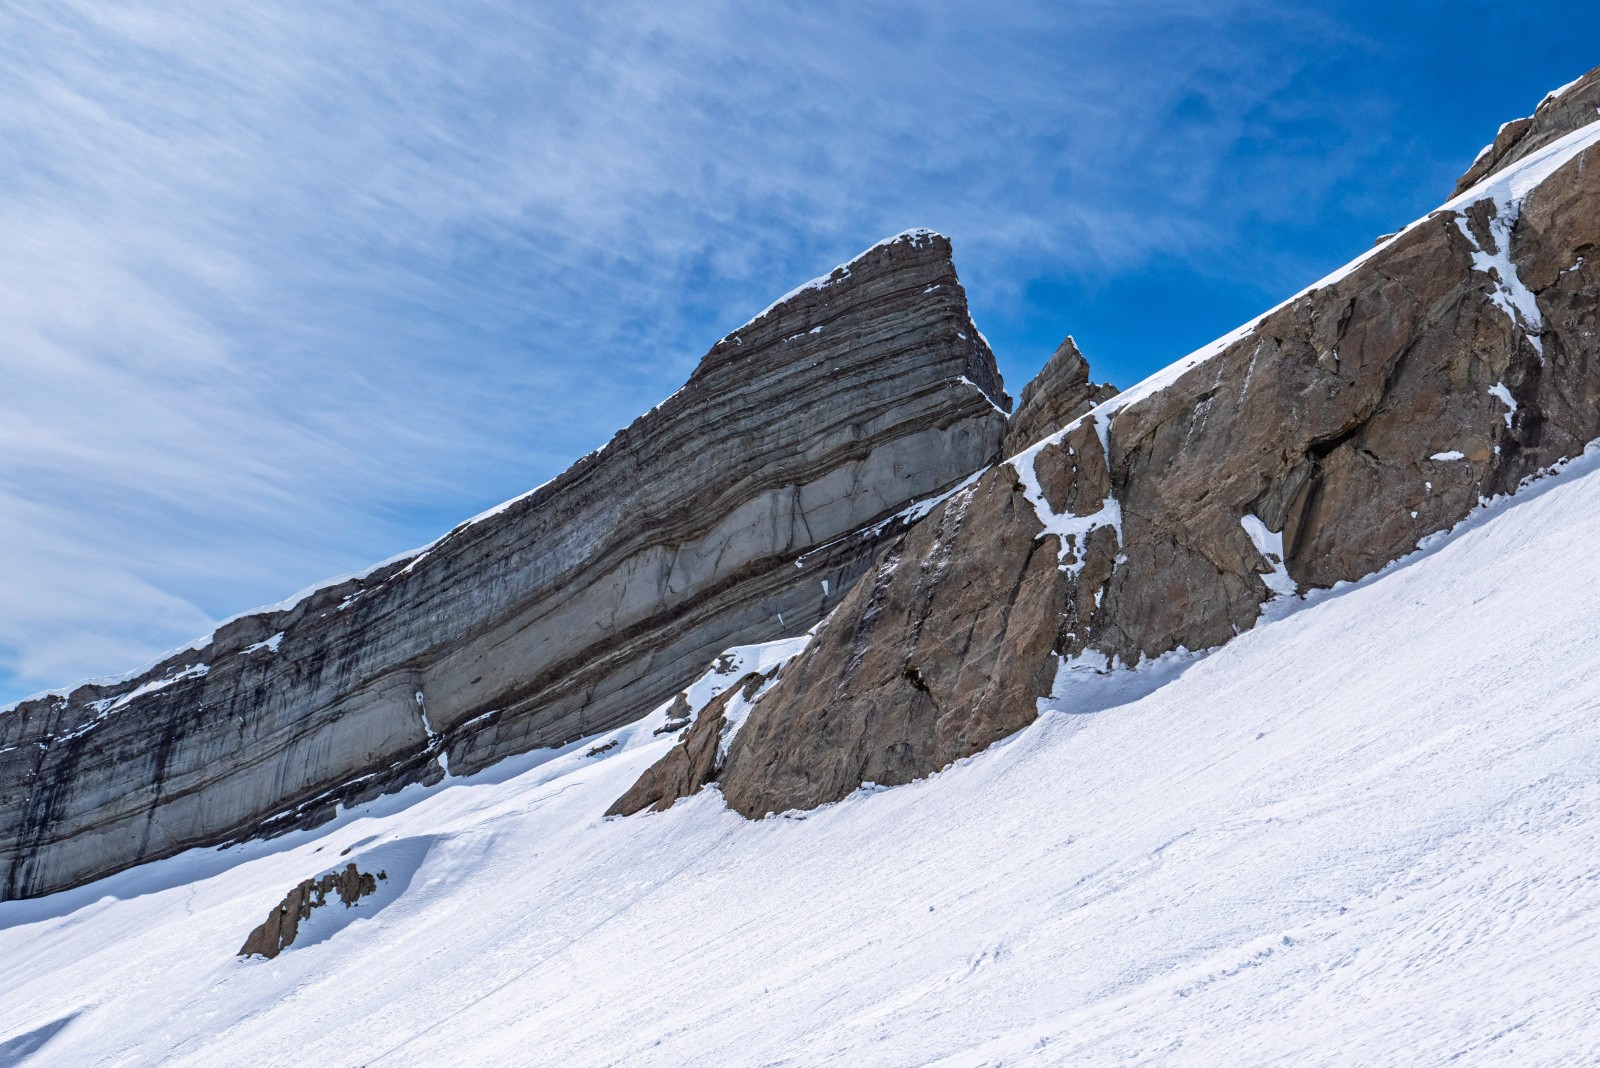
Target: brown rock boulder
{"x":279,"y":930}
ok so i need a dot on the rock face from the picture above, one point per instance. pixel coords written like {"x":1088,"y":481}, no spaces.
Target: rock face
{"x":939,"y":653}
{"x":691,"y":763}
{"x":1058,"y":394}
{"x":1316,"y":444}
{"x":279,"y":930}
{"x":570,"y":610}
{"x":1557,"y":115}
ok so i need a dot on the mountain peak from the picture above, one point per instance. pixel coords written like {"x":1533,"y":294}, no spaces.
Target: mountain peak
{"x":1057,"y":395}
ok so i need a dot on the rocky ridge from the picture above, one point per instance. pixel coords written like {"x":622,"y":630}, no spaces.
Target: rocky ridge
{"x":693,"y":762}
{"x":742,"y":507}
{"x":1558,"y":114}
{"x":282,"y":926}
{"x":1058,"y":394}
{"x":1315,"y":445}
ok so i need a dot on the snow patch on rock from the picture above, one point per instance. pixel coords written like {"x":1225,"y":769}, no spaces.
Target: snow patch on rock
{"x":1510,"y":294}
{"x":109,"y":705}
{"x":1503,"y":395}
{"x":1071,"y":530}
{"x":269,"y":646}
{"x":1270,"y":546}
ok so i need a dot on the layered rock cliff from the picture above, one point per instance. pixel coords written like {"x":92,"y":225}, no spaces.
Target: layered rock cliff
{"x":1314,"y":445}
{"x":741,"y":507}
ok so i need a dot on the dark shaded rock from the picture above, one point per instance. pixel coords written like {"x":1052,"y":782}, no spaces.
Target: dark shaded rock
{"x":1058,"y":394}
{"x":690,"y":764}
{"x":1557,"y":115}
{"x":279,"y":930}
{"x":573,"y":609}
{"x":1316,"y":446}
{"x":678,"y":716}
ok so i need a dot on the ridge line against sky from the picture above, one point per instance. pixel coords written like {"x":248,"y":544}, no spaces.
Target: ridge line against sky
{"x":294,"y":287}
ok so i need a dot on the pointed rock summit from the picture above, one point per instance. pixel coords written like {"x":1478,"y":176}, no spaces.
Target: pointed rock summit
{"x":1060,"y":393}
{"x":741,"y":508}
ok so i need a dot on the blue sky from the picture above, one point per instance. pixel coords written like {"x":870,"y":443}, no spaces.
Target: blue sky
{"x":290,"y":287}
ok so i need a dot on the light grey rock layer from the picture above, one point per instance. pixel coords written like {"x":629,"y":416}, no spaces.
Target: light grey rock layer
{"x":575,"y":608}
{"x":1454,"y":362}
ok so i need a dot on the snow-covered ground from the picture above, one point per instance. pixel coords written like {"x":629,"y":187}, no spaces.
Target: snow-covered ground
{"x":1365,"y":833}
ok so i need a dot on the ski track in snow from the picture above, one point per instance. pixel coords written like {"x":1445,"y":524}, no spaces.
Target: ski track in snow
{"x":1362,"y":833}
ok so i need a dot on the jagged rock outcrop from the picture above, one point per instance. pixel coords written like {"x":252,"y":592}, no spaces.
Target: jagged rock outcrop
{"x":691,"y":763}
{"x":943,"y":654}
{"x":282,"y":926}
{"x":1058,"y":394}
{"x":575,"y":608}
{"x":1557,"y":115}
{"x":1315,"y":445}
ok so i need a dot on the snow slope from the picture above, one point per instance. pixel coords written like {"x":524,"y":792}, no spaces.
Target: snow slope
{"x":1363,"y":833}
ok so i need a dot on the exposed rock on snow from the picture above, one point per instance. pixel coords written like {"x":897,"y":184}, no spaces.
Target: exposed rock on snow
{"x":279,"y":930}
{"x":940,"y":652}
{"x":691,"y":763}
{"x":708,"y":714}
{"x":572,"y":609}
{"x":1295,"y":453}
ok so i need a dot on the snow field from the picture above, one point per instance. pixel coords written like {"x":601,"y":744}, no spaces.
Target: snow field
{"x":1363,"y":833}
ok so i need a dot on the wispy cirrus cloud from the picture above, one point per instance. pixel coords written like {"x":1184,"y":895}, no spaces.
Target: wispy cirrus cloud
{"x":287,"y":287}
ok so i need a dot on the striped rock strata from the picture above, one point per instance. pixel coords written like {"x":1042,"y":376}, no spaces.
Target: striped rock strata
{"x":573,"y":609}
